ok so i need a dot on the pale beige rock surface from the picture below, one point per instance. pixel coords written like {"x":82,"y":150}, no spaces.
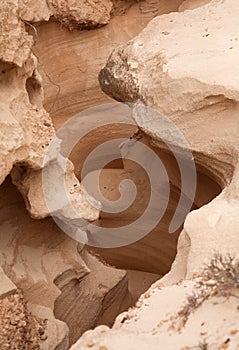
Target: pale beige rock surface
{"x":15,"y":42}
{"x":192,"y":4}
{"x":70,"y":61}
{"x":71,"y":13}
{"x":70,"y":79}
{"x":157,"y":322}
{"x":162,"y":67}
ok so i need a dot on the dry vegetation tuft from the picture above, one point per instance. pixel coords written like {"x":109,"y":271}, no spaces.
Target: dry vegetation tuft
{"x":218,"y":278}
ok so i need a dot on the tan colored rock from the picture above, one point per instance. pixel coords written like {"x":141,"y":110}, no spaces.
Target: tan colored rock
{"x":76,"y":204}
{"x":70,"y":80}
{"x":70,"y":61}
{"x":16,"y":44}
{"x":173,"y":78}
{"x":19,"y":328}
{"x":192,"y":4}
{"x":163,"y":68}
{"x":7,"y":287}
{"x":24,"y":121}
{"x":32,"y":11}
{"x":36,"y":256}
{"x":81,"y":14}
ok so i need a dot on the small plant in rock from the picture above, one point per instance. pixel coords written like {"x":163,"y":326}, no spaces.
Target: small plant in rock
{"x":222,"y":274}
{"x":218,"y":278}
{"x":202,"y":345}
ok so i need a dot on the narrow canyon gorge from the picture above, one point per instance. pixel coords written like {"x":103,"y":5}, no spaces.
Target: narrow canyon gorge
{"x":149,"y":90}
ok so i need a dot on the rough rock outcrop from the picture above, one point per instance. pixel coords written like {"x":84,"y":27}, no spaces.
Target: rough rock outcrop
{"x":31,"y":11}
{"x":68,"y":67}
{"x":23,"y":119}
{"x":83,"y":14}
{"x":186,"y":83}
{"x":71,"y":85}
{"x":73,"y":14}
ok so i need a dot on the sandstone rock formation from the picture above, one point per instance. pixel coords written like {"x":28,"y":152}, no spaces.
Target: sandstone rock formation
{"x":57,"y":277}
{"x":175,"y":66}
{"x":186,"y":84}
{"x":71,"y":85}
{"x":54,"y":289}
{"x":162,"y":67}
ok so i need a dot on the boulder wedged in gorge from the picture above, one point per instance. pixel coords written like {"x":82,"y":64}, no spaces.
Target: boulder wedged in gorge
{"x":177,"y":66}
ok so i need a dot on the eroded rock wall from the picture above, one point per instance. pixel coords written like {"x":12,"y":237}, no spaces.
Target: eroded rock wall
{"x":175,"y":66}
{"x":36,"y":256}
{"x":184,"y":66}
{"x":63,"y":286}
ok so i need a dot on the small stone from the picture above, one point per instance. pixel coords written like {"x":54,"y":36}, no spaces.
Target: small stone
{"x":47,"y":124}
{"x":211,"y":283}
{"x":90,"y":344}
{"x":43,"y":337}
{"x":139,"y":304}
{"x":41,"y":330}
